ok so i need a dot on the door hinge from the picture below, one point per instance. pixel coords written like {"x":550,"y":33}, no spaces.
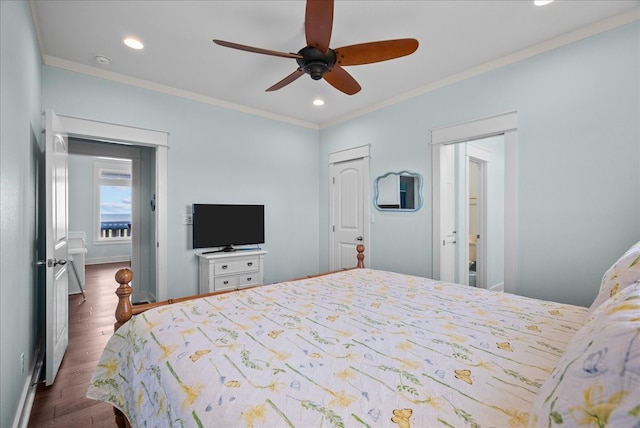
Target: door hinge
{"x":333,"y":228}
{"x":334,"y":180}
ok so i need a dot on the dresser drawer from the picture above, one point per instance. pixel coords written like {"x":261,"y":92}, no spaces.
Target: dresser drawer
{"x":235,"y":266}
{"x":247,"y":279}
{"x":220,"y":271}
{"x":225,"y":282}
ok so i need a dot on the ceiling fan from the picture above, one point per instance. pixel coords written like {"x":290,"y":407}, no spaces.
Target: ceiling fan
{"x":322,"y":62}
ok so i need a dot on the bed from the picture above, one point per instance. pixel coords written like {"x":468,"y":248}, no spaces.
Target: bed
{"x":369,"y":348}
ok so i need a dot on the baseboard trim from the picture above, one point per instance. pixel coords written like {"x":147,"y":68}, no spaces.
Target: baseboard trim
{"x":23,"y":413}
{"x":112,"y":259}
{"x":498,"y":287}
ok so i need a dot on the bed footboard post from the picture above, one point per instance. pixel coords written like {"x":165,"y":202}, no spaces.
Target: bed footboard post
{"x":121,"y":420}
{"x":360,"y":250}
{"x":124,"y":309}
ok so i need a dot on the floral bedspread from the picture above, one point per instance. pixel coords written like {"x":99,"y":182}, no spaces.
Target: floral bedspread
{"x":361,"y":348}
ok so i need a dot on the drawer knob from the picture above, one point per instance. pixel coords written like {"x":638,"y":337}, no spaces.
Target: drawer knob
{"x":249,"y":279}
{"x":226,"y":282}
{"x":224,"y":266}
{"x":249,"y":263}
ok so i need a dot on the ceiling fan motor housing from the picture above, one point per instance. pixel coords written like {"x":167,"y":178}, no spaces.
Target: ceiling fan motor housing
{"x":316,"y":63}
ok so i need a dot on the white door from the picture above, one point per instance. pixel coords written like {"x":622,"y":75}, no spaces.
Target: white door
{"x":347,"y":222}
{"x":447,"y":240}
{"x":475,"y":259}
{"x":505,"y":124}
{"x":57,"y":274}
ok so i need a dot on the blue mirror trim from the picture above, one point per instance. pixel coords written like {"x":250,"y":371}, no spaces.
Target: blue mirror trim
{"x":405,"y":173}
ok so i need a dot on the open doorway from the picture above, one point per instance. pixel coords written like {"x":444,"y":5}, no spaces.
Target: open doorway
{"x":110,"y":189}
{"x":154,"y":148}
{"x":475,"y":233}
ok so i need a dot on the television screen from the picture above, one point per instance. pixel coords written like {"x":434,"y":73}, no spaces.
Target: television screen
{"x":220,"y":225}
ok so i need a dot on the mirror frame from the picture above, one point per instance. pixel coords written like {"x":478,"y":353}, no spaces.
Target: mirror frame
{"x":419,"y":202}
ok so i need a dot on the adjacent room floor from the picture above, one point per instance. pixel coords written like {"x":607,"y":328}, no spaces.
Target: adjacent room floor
{"x":64,"y":404}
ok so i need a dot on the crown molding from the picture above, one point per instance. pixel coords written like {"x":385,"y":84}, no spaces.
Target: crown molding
{"x":540,"y":48}
{"x":157,"y":87}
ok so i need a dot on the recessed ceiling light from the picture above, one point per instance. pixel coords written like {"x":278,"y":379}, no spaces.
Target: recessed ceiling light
{"x":133,"y":43}
{"x":102,"y":60}
{"x":542,"y":2}
{"x":318,"y":102}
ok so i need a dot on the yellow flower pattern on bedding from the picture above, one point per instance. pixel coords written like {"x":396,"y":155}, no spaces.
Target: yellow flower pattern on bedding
{"x":597,"y":381}
{"x":360,"y":348}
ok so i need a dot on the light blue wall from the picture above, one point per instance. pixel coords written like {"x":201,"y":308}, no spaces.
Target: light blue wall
{"x":579,"y":181}
{"x":578,"y":154}
{"x":20,"y":157}
{"x":216,"y":156}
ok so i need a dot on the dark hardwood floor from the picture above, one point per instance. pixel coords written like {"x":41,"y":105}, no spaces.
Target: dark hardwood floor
{"x":64,"y":404}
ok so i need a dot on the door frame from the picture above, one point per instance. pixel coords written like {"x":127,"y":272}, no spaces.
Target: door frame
{"x":481,"y":158}
{"x":123,"y":134}
{"x":354,"y":153}
{"x":501,"y":124}
{"x":132,"y":153}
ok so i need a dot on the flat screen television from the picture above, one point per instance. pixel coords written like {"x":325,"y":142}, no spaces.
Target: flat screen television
{"x":226,"y":225}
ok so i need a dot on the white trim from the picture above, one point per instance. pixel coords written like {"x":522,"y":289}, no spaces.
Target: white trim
{"x":350,"y":154}
{"x":157,"y":87}
{"x":475,"y":129}
{"x":36,"y":28}
{"x":112,"y":241}
{"x":110,"y":259}
{"x":498,"y":287}
{"x":505,"y":123}
{"x":111,"y":132}
{"x":510,"y":211}
{"x":540,"y":48}
{"x":28,"y":395}
{"x":481,"y":157}
{"x":102,"y":131}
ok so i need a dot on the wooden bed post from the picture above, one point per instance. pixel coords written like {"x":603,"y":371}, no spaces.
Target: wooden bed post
{"x":124,"y":309}
{"x":360,"y":250}
{"x":124,"y":312}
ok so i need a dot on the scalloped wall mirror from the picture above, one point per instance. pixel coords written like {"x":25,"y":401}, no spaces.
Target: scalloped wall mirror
{"x":398,"y":191}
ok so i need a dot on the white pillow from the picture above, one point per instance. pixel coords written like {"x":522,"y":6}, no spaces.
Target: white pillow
{"x":625,"y":271}
{"x":597,"y":380}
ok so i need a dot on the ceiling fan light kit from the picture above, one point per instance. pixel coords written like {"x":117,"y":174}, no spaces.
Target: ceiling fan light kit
{"x":321,"y":62}
{"x":316,"y":63}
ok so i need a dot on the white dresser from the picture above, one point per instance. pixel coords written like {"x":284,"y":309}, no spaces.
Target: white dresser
{"x":230,"y":271}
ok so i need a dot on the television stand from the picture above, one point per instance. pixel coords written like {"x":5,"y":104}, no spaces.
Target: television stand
{"x":230,"y":270}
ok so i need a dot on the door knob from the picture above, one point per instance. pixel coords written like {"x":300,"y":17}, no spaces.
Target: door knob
{"x":360,"y":238}
{"x":51,"y":262}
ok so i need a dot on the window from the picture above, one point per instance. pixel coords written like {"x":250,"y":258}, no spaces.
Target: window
{"x":113,"y":195}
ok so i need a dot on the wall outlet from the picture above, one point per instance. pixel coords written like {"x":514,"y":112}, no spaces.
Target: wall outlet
{"x":22,"y":363}
{"x":187,"y":219}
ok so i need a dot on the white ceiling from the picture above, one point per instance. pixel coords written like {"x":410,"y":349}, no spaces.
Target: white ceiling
{"x":457,"y":39}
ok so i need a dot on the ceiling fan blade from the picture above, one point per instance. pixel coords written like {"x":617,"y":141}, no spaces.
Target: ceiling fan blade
{"x":284,"y":82}
{"x":341,"y":80}
{"x":255,"y":50}
{"x":318,"y":22}
{"x":367,"y":53}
